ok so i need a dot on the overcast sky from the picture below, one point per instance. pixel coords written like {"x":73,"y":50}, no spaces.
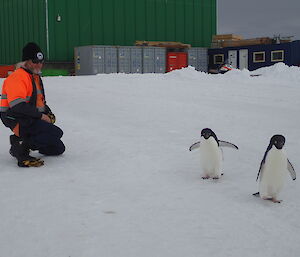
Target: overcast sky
{"x":259,"y":18}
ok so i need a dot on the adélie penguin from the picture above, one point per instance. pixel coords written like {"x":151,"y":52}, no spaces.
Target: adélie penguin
{"x":273,"y":170}
{"x":211,"y":156}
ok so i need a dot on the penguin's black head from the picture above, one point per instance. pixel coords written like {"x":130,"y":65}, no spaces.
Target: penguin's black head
{"x":278,"y":141}
{"x":207,"y":132}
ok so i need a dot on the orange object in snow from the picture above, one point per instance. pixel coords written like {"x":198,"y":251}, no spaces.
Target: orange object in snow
{"x":6,"y":70}
{"x":176,"y":60}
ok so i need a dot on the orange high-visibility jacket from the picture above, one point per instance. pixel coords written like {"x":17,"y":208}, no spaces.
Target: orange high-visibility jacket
{"x":22,"y":99}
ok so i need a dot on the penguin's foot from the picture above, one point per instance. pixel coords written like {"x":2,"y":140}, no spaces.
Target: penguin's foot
{"x":205,"y":177}
{"x":267,"y":198}
{"x":272,"y":199}
{"x":216,"y":177}
{"x":275,"y":200}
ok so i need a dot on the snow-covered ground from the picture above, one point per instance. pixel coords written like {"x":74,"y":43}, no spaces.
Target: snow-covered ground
{"x":127,"y":186}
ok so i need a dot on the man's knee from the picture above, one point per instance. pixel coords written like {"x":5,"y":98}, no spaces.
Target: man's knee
{"x":57,"y":149}
{"x":61,"y":149}
{"x":56,"y":131}
{"x":50,"y":128}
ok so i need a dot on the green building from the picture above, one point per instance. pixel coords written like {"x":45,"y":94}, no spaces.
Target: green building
{"x":60,"y":25}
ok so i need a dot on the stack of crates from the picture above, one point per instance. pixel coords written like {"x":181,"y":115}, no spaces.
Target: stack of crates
{"x":110,"y":59}
{"x":130,"y":59}
{"x":90,"y":60}
{"x":136,"y":63}
{"x":154,"y":60}
{"x":176,"y":60}
{"x":198,"y":58}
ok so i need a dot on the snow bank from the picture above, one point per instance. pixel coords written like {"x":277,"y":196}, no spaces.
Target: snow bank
{"x":280,"y":72}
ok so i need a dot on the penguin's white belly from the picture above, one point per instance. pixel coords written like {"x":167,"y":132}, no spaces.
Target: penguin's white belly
{"x":210,"y":157}
{"x":273,"y":174}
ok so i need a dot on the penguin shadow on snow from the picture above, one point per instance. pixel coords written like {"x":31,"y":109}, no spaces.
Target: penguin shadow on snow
{"x":211,"y":154}
{"x":273,"y":170}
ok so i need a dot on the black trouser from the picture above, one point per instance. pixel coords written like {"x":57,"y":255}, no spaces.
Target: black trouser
{"x":44,"y":137}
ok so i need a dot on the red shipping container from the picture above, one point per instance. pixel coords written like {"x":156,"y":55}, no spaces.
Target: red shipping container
{"x":176,"y":60}
{"x":5,"y":70}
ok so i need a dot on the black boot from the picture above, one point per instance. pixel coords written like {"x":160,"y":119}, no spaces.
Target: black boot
{"x":20,"y":150}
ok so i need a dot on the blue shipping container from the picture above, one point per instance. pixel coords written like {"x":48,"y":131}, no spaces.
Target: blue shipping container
{"x":255,"y":56}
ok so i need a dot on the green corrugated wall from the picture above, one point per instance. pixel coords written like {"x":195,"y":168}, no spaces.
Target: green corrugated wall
{"x":21,"y":21}
{"x":101,"y":22}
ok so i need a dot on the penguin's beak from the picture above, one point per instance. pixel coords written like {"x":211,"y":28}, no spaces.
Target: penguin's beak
{"x":206,"y":136}
{"x":279,"y":144}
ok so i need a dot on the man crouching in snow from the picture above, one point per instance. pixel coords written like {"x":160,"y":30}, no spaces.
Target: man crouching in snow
{"x":23,"y":109}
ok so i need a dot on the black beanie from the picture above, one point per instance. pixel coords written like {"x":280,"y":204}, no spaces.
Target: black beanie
{"x":32,"y":52}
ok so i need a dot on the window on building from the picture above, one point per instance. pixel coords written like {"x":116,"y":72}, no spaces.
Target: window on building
{"x":259,"y":57}
{"x":277,"y":56}
{"x":218,"y":58}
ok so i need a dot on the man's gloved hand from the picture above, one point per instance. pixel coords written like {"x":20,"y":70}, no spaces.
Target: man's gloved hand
{"x":51,"y":117}
{"x":50,"y":114}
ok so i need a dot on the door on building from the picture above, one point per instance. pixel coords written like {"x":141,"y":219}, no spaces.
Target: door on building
{"x":232,"y":58}
{"x":243,"y":59}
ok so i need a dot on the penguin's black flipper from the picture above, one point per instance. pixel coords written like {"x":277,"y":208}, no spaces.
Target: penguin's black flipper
{"x":291,"y":169}
{"x":194,"y":146}
{"x":227,"y":144}
{"x":261,"y":166}
{"x":256,"y":194}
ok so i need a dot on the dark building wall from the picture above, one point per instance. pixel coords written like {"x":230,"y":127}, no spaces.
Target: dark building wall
{"x":295,"y":56}
{"x":291,"y":54}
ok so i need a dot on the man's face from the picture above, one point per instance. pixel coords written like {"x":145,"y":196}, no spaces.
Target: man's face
{"x":36,"y":68}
